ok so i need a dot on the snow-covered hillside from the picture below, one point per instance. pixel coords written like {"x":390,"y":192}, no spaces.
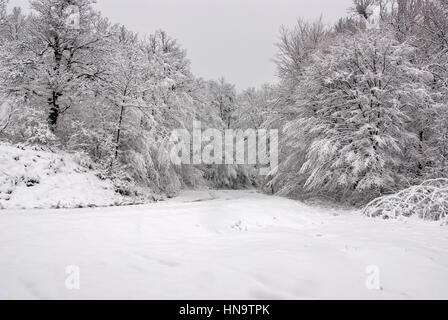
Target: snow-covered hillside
{"x":220,"y":245}
{"x":30,"y":178}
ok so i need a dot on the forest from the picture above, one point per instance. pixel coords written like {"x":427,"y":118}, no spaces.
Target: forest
{"x":361,"y":106}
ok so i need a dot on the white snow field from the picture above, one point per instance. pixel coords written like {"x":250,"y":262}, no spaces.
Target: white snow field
{"x":219,"y":245}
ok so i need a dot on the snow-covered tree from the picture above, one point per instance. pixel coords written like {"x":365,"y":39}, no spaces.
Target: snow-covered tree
{"x":224,"y":99}
{"x":296,"y":46}
{"x":352,"y":114}
{"x":63,"y":39}
{"x":254,"y":106}
{"x":424,"y":25}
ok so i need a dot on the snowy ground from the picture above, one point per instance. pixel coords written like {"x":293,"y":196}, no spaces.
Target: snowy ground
{"x":30,"y":178}
{"x":219,"y":245}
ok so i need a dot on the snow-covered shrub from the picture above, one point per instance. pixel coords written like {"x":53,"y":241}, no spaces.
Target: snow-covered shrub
{"x":27,"y":125}
{"x":428,"y":201}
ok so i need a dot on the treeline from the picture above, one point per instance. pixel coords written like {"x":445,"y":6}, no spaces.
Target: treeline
{"x":72,"y":80}
{"x":361,"y":105}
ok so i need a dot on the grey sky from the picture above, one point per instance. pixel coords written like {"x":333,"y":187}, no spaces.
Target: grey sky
{"x":230,"y":38}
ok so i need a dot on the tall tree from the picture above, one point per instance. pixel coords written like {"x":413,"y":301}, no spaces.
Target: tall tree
{"x":352,"y":120}
{"x":63,"y":38}
{"x":224,"y":99}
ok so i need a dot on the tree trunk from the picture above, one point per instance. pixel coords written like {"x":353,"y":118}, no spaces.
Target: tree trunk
{"x":53,"y":114}
{"x":117,"y":141}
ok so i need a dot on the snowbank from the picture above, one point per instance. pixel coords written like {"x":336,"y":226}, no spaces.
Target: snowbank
{"x":31,"y":178}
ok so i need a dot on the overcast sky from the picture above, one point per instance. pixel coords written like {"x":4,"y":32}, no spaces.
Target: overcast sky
{"x":230,"y":38}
